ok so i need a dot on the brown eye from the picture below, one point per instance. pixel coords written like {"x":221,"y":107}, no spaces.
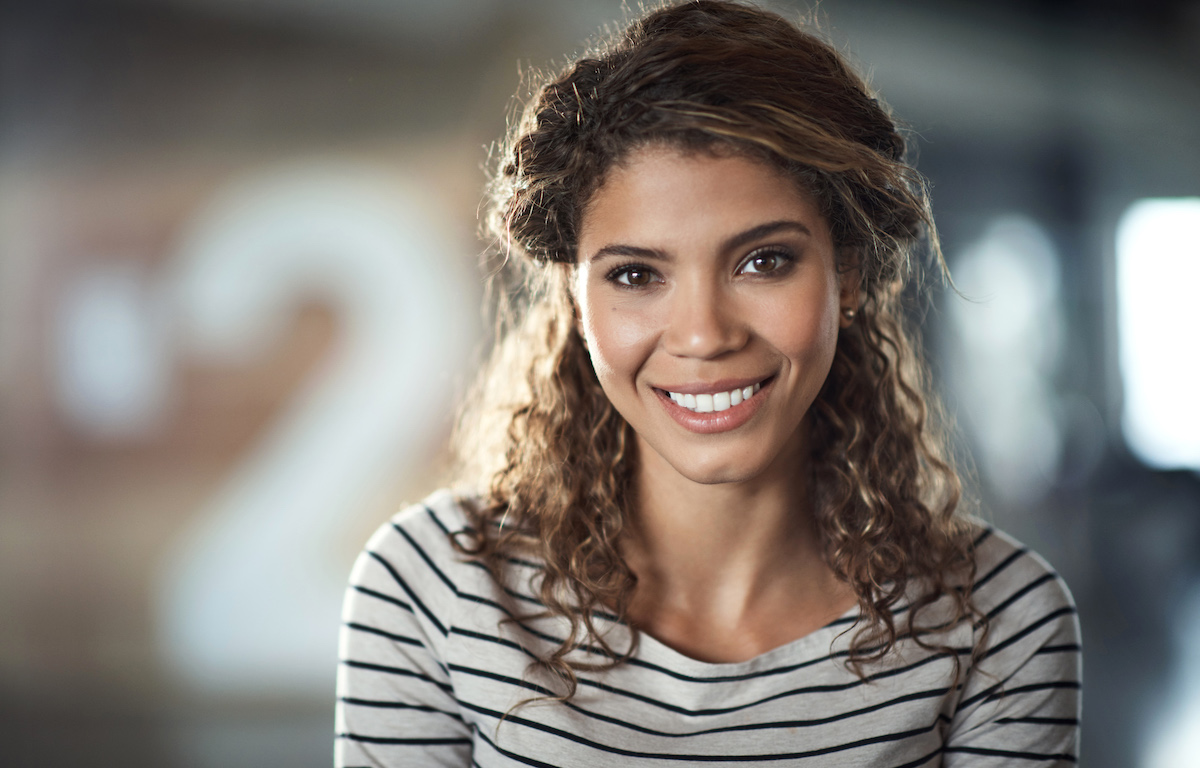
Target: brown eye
{"x":765,"y":262}
{"x":633,"y":276}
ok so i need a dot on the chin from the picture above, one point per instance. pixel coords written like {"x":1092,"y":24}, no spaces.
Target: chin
{"x":718,"y":472}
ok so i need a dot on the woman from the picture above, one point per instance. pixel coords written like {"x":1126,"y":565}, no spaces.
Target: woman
{"x":716,"y":521}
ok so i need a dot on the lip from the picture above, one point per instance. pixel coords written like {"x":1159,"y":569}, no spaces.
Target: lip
{"x":716,"y":421}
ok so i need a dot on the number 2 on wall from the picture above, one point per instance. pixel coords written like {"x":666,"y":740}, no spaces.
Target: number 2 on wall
{"x":249,"y":597}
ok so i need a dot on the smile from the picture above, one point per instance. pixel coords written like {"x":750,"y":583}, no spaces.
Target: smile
{"x":715,"y":401}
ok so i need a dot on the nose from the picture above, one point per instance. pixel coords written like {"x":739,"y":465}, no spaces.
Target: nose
{"x":704,"y":322}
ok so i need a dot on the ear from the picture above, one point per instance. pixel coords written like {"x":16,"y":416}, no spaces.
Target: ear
{"x":849,"y":286}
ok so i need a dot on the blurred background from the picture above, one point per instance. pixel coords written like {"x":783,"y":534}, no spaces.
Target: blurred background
{"x":239,"y":296}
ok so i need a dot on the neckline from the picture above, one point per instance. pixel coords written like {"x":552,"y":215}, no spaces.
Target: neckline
{"x":813,"y":646}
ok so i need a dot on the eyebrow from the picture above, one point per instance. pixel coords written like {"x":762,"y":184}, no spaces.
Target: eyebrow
{"x":732,"y":243}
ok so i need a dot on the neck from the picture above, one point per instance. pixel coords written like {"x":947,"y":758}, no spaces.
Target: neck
{"x":720,"y":550}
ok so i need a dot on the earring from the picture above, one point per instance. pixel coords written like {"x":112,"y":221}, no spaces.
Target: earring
{"x":848,"y":313}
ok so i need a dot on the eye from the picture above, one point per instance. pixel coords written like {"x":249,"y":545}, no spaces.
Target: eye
{"x":633,"y":276}
{"x":765,"y":261}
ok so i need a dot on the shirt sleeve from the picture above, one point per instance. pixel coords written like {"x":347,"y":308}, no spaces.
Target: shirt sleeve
{"x":396,"y":706}
{"x":1020,"y":704}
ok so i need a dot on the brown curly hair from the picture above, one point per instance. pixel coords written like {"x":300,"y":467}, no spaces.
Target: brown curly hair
{"x":711,"y":76}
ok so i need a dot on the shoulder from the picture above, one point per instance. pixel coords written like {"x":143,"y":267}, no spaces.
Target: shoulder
{"x":427,"y":528}
{"x":411,"y":562}
{"x":1015,"y":585}
{"x":1031,"y":640}
{"x":1021,"y":697}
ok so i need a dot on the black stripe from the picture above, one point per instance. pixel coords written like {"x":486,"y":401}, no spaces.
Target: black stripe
{"x":407,"y":742}
{"x":1026,"y":631}
{"x":706,"y":758}
{"x":512,"y":755}
{"x":468,"y":530}
{"x":1068,"y":647}
{"x":1047,"y":686}
{"x":428,"y":561}
{"x":433,"y":516}
{"x":982,"y":537}
{"x":531,"y":565}
{"x":408,"y":590}
{"x":388,"y":635}
{"x":921,"y":760}
{"x":1009,"y":753}
{"x":1016,"y":596}
{"x":400,"y":639}
{"x":526,"y":563}
{"x":381,"y":596}
{"x":1000,"y":567}
{"x":997,"y":691}
{"x":596,"y":612}
{"x":510,"y":592}
{"x":397,"y":705}
{"x":397,"y":671}
{"x":1040,"y":720}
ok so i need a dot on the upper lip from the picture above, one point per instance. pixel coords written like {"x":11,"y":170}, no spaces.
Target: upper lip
{"x":709,"y":388}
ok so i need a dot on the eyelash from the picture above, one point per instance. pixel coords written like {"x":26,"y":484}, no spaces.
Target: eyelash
{"x":625,"y":270}
{"x":783,"y":256}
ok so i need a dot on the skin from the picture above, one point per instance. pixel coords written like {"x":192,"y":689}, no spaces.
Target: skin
{"x":698,"y":270}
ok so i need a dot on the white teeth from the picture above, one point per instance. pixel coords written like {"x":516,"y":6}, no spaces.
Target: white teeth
{"x":717,"y":401}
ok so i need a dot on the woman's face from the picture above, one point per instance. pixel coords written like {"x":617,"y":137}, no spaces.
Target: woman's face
{"x":710,"y":302}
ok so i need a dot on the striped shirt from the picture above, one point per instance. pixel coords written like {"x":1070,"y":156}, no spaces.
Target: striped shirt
{"x":429,"y":669}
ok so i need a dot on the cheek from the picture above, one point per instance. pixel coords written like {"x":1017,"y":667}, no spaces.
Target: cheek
{"x":619,"y":340}
{"x":810,"y":334}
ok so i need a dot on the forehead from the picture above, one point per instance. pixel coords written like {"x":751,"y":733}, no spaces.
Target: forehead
{"x":660,"y":193}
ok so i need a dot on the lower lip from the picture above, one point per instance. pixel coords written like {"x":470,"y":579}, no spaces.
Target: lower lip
{"x":715,"y":421}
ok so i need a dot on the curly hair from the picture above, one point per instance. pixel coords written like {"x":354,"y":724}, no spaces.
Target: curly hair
{"x":718,"y":77}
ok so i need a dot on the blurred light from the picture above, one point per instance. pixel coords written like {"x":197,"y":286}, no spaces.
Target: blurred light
{"x":1175,"y":736}
{"x":1158,"y":275}
{"x":1009,"y":331}
{"x":110,"y":352}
